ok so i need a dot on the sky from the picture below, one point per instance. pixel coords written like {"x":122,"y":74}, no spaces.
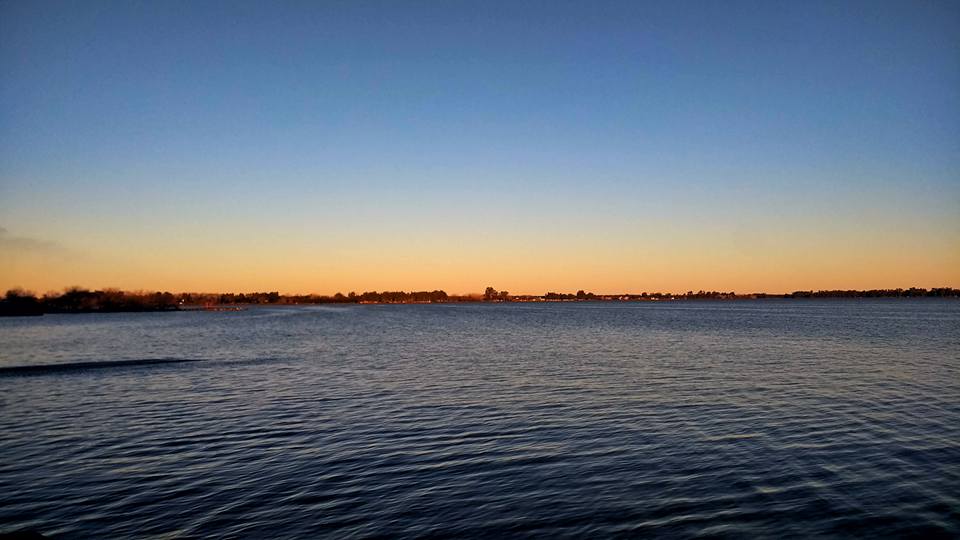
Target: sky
{"x":529,"y":146}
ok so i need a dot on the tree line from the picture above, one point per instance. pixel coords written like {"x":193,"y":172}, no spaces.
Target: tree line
{"x":78,"y":300}
{"x":912,"y":292}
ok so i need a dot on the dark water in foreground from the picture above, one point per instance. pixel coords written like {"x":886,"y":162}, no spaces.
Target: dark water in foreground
{"x":753,"y":418}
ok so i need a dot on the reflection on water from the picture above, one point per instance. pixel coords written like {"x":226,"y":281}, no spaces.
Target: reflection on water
{"x":753,"y":418}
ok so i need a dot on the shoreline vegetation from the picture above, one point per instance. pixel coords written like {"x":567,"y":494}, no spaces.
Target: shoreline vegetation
{"x":18,"y":302}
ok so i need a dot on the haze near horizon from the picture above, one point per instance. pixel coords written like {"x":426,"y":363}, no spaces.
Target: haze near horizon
{"x":612,"y":146}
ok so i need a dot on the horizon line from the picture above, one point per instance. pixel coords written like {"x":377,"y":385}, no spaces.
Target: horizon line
{"x":467,"y":294}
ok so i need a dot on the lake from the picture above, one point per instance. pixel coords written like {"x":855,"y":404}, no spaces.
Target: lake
{"x":765,"y":418}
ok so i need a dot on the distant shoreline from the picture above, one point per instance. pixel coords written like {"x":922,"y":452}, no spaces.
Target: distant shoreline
{"x":21,"y":303}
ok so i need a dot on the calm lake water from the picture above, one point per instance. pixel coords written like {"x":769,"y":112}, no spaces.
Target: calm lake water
{"x":761,"y":418}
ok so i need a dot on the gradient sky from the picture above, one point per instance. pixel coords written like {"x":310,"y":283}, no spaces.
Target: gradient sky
{"x":611,"y":146}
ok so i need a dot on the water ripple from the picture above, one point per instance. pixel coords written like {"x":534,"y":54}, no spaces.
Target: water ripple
{"x":752,"y":419}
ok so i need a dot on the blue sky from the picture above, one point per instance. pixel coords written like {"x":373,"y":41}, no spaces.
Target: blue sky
{"x":192,"y":125}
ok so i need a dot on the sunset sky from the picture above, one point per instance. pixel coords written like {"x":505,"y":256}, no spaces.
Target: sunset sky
{"x":351,"y":146}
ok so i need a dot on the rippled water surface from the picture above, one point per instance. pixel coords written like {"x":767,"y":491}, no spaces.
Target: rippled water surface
{"x":755,"y":418}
